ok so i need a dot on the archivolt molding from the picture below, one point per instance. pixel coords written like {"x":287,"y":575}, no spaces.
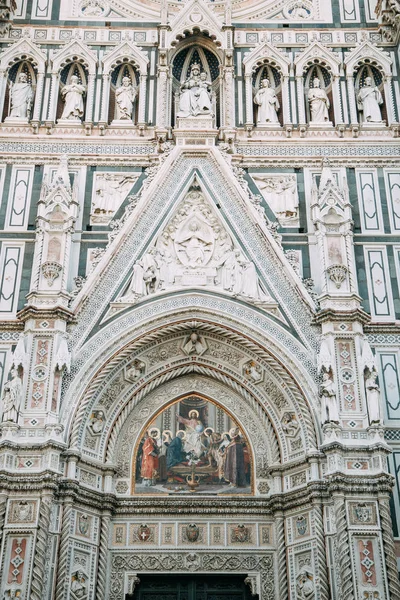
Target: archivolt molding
{"x":127,"y":51}
{"x":369,"y":54}
{"x":24,"y":49}
{"x":317,"y":54}
{"x":75,"y":51}
{"x":202,"y":41}
{"x":252,"y":421}
{"x":101,"y":359}
{"x":156,"y":203}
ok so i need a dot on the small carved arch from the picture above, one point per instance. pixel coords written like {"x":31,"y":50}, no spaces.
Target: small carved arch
{"x":22,"y":51}
{"x":125,"y":68}
{"x":324,"y":75}
{"x":367,"y":69}
{"x":75,"y":53}
{"x":125,"y":53}
{"x":70,"y":69}
{"x":26,"y":67}
{"x":271,"y":71}
{"x":317,"y":55}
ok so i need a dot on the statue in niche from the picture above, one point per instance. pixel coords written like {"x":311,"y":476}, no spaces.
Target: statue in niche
{"x":305,"y":584}
{"x":195,"y":95}
{"x":72,"y":94}
{"x":373,"y":396}
{"x":125,"y":97}
{"x":268,"y":103}
{"x":195,"y":344}
{"x":329,"y":407}
{"x":319,"y":103}
{"x":12,"y":397}
{"x":79,"y":585}
{"x":369,"y":100}
{"x":21,"y":98}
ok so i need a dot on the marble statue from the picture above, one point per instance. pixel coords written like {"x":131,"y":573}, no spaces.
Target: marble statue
{"x":319,"y":103}
{"x":268,"y":103}
{"x":125,"y":97}
{"x":21,"y":98}
{"x":369,"y":100}
{"x":72,"y":94}
{"x":329,"y":407}
{"x":195,"y":95}
{"x":373,"y":397}
{"x":12,"y":397}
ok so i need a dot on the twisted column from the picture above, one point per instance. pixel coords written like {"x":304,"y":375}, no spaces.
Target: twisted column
{"x":3,"y":506}
{"x":103,"y":557}
{"x":62,"y":570}
{"x":388,"y":547}
{"x":38,"y":572}
{"x":282,"y":567}
{"x":346,"y":579}
{"x":321,"y":552}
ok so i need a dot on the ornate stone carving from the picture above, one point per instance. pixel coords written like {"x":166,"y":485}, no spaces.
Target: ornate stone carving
{"x":337,"y":273}
{"x":51,"y":270}
{"x":289,"y":424}
{"x":97,"y":422}
{"x":329,"y":405}
{"x":125,"y":96}
{"x":373,"y":396}
{"x":79,"y":588}
{"x":195,"y":250}
{"x":109,"y":191}
{"x":135,"y":370}
{"x":305,"y":584}
{"x":194,"y":344}
{"x":280,"y":192}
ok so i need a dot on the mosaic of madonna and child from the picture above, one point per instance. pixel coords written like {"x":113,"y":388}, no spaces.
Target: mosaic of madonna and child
{"x":193,"y":446}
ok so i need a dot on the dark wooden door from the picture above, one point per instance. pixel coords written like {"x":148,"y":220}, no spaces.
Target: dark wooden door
{"x":186,"y":587}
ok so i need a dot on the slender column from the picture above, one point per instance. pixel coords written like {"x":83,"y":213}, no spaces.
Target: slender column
{"x":62,"y":572}
{"x":162,"y":97}
{"x":90,"y":98}
{"x":387,"y":85}
{"x":229,"y":105}
{"x":337,"y":105}
{"x":286,"y":101}
{"x":249,"y":99}
{"x":346,"y":577}
{"x":388,"y":547}
{"x":51,"y":115}
{"x":38,"y":97}
{"x":39,"y":565}
{"x":300,"y":99}
{"x":105,"y":98}
{"x":321,"y":552}
{"x":3,"y":506}
{"x":103,"y":557}
{"x":352,"y":100}
{"x":282,"y":566}
{"x":3,"y":84}
{"x":142,"y":99}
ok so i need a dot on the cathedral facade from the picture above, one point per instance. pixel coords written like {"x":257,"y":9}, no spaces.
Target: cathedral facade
{"x":199,"y":300}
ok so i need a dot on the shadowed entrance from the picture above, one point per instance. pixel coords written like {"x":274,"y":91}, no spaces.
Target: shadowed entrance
{"x":191,"y":587}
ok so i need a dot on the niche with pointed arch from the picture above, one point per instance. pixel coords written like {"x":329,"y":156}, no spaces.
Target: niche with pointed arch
{"x":193,"y":446}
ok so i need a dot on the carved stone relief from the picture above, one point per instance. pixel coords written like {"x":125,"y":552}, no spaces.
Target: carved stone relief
{"x":280,"y":193}
{"x":109,"y":191}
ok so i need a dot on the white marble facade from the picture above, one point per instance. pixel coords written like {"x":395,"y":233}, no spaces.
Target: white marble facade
{"x":199,"y":265}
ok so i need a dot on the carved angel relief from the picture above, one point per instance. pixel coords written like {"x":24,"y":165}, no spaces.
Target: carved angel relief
{"x":280,"y":192}
{"x":195,"y":250}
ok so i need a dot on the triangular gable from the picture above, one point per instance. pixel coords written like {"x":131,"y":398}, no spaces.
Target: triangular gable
{"x":24,"y":47}
{"x":127,"y":50}
{"x":112,"y":275}
{"x":367,"y":51}
{"x":266,"y":52}
{"x":74,"y":48}
{"x":318,"y":54}
{"x":196,"y":15}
